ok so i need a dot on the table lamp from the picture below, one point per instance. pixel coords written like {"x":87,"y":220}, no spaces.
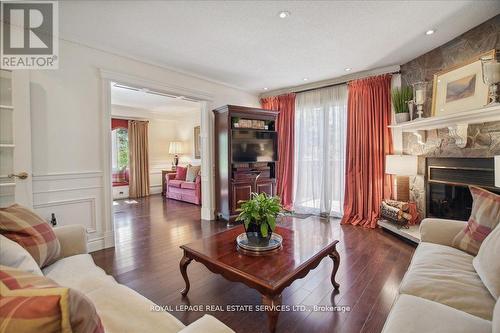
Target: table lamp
{"x":402,"y":166}
{"x":497,"y":171}
{"x":175,"y":149}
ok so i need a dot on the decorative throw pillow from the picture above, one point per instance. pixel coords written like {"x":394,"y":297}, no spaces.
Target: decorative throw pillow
{"x":29,"y":230}
{"x":192,"y":172}
{"x":487,"y":262}
{"x":15,"y":256}
{"x":180,"y":173}
{"x":484,"y":217}
{"x":36,"y":304}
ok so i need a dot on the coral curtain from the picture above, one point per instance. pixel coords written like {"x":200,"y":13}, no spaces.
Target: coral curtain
{"x":368,"y":141}
{"x":285,"y":127}
{"x":138,"y":159}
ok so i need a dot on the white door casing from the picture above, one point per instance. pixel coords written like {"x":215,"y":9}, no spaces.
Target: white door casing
{"x":15,"y":145}
{"x":207,"y":176}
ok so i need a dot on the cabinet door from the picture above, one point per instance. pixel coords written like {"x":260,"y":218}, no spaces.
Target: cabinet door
{"x":240,"y":192}
{"x":266,"y":188}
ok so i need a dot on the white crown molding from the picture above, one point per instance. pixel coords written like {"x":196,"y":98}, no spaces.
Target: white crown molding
{"x":118,"y":53}
{"x":333,"y":81}
{"x":141,"y":82}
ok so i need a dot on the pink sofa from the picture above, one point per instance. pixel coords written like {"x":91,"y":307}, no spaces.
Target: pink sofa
{"x":183,"y":190}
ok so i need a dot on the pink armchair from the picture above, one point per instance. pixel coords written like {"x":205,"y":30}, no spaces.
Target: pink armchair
{"x":183,"y":190}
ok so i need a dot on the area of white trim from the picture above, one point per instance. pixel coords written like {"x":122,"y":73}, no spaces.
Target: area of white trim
{"x":102,"y":242}
{"x":205,"y":99}
{"x":412,"y":233}
{"x":476,"y":116}
{"x":67,"y":175}
{"x":91,"y":200}
{"x":140,"y":82}
{"x":157,"y":64}
{"x":328,"y":82}
{"x":457,"y":124}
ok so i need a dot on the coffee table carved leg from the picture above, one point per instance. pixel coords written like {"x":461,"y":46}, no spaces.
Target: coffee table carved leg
{"x":336,"y":262}
{"x":274,"y":303}
{"x":183,"y":266}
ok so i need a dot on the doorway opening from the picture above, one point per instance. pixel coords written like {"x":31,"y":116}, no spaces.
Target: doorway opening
{"x":155,"y":150}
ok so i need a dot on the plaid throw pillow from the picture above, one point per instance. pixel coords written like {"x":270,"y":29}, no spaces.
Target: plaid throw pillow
{"x":484,"y":217}
{"x":35,"y":304}
{"x":29,"y":230}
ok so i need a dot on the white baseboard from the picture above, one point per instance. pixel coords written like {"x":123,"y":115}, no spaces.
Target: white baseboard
{"x":104,"y":242}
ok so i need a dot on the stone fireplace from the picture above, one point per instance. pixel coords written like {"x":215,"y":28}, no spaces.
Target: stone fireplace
{"x":483,"y":139}
{"x":447,"y":181}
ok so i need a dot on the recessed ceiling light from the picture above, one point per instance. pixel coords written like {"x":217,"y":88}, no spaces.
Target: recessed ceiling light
{"x":348,"y":69}
{"x":284,"y":14}
{"x":265,"y":88}
{"x":305,"y":79}
{"x":430,"y":32}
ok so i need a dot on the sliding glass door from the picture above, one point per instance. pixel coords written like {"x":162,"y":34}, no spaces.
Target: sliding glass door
{"x":320,"y":141}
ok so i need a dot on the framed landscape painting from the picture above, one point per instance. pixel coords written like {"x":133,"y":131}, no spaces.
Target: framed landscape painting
{"x":460,"y":88}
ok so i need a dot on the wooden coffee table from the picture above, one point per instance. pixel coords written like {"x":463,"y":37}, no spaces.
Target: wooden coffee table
{"x":302,"y":251}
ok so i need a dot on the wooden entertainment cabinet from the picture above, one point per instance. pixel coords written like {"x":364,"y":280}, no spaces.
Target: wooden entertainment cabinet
{"x":236,"y":180}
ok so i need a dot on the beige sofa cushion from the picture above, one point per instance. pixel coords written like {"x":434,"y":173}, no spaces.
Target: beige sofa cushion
{"x":123,"y":310}
{"x":78,"y":272}
{"x":487,"y":262}
{"x":207,"y":324}
{"x":113,"y":301}
{"x":446,"y":275}
{"x":412,"y":314}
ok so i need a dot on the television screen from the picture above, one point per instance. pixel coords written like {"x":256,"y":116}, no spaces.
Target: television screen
{"x":253,"y":146}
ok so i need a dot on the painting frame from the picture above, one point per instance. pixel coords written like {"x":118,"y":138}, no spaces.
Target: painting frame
{"x":197,"y":142}
{"x":460,"y":88}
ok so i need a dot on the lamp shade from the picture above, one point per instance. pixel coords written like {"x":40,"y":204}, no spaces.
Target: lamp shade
{"x":497,"y":171}
{"x":401,"y":165}
{"x":175,"y":148}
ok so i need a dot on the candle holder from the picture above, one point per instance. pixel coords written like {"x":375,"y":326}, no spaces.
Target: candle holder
{"x":491,"y":77}
{"x":419,"y":97}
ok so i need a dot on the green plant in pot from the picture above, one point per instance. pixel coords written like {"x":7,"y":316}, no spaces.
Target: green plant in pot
{"x":259,"y":217}
{"x":400,"y":99}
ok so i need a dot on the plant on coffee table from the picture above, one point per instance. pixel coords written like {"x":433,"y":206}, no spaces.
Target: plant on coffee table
{"x":259,"y":217}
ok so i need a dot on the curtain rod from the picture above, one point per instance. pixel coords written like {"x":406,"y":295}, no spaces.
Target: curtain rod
{"x":339,"y":83}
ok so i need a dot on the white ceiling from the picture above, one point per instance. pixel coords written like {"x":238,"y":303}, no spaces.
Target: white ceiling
{"x":149,"y":105}
{"x":244,"y":43}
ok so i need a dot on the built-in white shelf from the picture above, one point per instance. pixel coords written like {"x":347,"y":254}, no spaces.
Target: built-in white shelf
{"x":7,"y":145}
{"x":457,"y":123}
{"x":6,"y":107}
{"x":411,"y":233}
{"x":7,"y":184}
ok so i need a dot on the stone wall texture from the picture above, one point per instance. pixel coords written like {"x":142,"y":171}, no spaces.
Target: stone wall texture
{"x":483,"y":139}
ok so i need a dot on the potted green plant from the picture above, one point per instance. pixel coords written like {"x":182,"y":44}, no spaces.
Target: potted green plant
{"x":259,"y":217}
{"x":400,"y":99}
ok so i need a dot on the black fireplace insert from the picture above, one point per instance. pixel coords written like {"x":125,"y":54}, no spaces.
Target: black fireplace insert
{"x":447,"y":182}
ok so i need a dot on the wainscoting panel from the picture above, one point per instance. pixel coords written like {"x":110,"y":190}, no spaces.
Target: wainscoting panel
{"x":74,"y":198}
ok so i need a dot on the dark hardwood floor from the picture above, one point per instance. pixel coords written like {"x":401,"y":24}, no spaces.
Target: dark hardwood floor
{"x":147,"y":254}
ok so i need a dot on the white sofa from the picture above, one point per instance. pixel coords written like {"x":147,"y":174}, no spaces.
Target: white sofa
{"x":121,"y":309}
{"x":441,"y":291}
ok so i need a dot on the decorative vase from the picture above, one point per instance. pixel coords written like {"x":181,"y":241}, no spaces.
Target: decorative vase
{"x":402,"y":117}
{"x":255,"y":236}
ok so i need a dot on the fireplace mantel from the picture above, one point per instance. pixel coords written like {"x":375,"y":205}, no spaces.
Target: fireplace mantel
{"x":456,"y":123}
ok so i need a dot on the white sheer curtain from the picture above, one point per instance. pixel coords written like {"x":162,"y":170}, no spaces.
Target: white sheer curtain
{"x":320,"y":141}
